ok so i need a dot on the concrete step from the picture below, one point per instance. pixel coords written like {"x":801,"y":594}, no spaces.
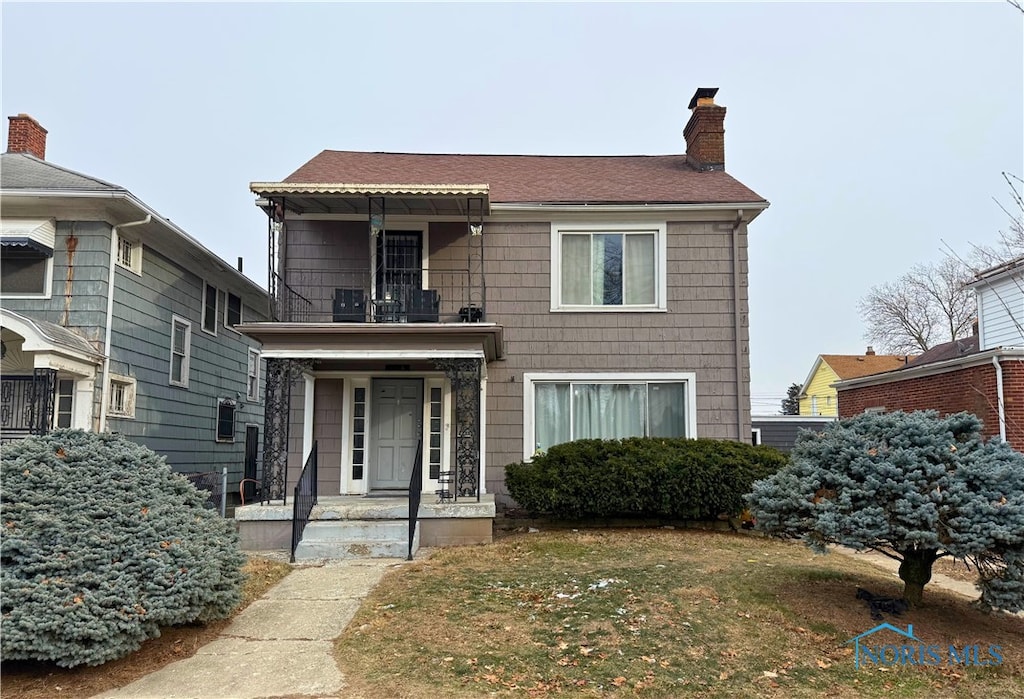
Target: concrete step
{"x":338,"y":539}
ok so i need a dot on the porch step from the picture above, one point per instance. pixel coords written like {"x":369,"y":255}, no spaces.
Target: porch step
{"x":356,"y":539}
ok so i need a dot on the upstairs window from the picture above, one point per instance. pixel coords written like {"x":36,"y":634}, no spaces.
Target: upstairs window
{"x":26,"y":257}
{"x":210,"y":296}
{"x":232,"y":311}
{"x":608,"y":268}
{"x":129,"y":254}
{"x":181,"y":349}
{"x":253,"y":385}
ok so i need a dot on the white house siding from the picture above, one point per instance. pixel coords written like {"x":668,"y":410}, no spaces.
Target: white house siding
{"x":1001,"y":309}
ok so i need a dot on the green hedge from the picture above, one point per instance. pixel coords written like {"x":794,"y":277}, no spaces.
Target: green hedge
{"x":641,"y":477}
{"x":101,"y":545}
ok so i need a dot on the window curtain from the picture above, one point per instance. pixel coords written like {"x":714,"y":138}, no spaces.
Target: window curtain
{"x":638,"y":273}
{"x":667,"y":409}
{"x":551,"y":415}
{"x":576,"y":269}
{"x":609,"y":411}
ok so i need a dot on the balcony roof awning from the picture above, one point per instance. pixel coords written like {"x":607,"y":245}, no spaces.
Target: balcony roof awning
{"x":354,"y":198}
{"x":385,"y":341}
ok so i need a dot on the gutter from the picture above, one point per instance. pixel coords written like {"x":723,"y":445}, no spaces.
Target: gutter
{"x":999,"y":398}
{"x":105,"y":396}
{"x":737,"y":323}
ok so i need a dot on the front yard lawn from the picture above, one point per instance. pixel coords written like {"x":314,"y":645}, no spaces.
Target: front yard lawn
{"x":655,"y":613}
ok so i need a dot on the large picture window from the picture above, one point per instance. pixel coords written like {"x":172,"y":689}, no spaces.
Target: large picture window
{"x":566,"y":407}
{"x":608,"y":268}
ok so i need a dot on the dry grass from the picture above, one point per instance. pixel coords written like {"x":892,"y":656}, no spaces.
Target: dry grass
{"x":652,"y":614}
{"x":37,"y":680}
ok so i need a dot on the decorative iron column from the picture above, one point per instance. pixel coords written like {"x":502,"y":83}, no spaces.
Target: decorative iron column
{"x":477,"y":285}
{"x":275,"y":263}
{"x":41,"y":400}
{"x":465,"y":376}
{"x":281,"y":376}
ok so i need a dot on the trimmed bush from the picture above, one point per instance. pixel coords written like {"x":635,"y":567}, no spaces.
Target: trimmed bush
{"x":641,"y":477}
{"x":101,"y":545}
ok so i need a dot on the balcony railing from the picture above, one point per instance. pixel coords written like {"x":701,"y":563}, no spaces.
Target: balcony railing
{"x":342,"y":295}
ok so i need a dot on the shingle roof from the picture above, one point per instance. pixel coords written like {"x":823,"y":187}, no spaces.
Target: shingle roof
{"x":852,"y":366}
{"x":948,"y":350}
{"x":24,"y":171}
{"x":621,"y":179}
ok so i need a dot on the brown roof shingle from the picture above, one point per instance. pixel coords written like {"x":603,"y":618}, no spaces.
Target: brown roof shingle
{"x":620,"y":179}
{"x":852,"y":366}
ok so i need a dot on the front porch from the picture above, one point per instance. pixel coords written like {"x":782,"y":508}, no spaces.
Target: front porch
{"x":349,"y":526}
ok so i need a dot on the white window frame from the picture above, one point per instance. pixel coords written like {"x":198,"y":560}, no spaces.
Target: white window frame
{"x":755,"y":436}
{"x":227,"y":305}
{"x":660,"y":230}
{"x":42,"y":231}
{"x":47,"y":291}
{"x":134,"y":265}
{"x":129,"y":386}
{"x":187,"y":355}
{"x":233,"y":404}
{"x":688,"y":378}
{"x":216,"y":309}
{"x":252,"y":375}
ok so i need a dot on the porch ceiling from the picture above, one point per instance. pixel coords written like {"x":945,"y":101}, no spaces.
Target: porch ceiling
{"x":378,"y":341}
{"x":348,"y":198}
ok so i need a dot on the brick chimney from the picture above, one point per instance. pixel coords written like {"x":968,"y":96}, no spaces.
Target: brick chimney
{"x":705,"y":131}
{"x":25,"y":135}
{"x":871,"y":351}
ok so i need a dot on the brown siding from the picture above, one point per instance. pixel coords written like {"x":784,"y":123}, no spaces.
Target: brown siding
{"x":696,"y":334}
{"x":972,"y":389}
{"x":324,"y":255}
{"x":327,"y":423}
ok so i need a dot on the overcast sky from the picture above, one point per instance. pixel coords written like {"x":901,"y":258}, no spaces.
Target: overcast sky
{"x":877,"y":131}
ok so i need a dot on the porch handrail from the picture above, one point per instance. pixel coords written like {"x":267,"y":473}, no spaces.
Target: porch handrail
{"x":290,"y":305}
{"x":304,"y":500}
{"x":415,"y":486}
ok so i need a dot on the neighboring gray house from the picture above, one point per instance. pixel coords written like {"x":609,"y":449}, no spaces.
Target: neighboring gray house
{"x":781,"y":431}
{"x":490,"y":306}
{"x":114,"y":319}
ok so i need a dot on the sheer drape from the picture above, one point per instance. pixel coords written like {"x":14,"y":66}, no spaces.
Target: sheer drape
{"x":638,"y":273}
{"x":576,"y":269}
{"x":551,"y":411}
{"x":667,"y":409}
{"x":609,"y":411}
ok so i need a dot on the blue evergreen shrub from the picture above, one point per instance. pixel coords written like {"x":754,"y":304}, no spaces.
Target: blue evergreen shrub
{"x":914,"y":486}
{"x":101,"y":545}
{"x":645,"y":477}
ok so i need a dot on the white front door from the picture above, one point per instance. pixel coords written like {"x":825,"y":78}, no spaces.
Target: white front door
{"x":397,"y":427}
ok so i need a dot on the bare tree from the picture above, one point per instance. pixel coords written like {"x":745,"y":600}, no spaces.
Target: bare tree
{"x":1010,"y":244}
{"x":926,"y":306}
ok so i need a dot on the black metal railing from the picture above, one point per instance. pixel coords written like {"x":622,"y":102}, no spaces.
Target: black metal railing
{"x":354,"y":295}
{"x":415,"y":486}
{"x":304,"y":501}
{"x":290,"y":305}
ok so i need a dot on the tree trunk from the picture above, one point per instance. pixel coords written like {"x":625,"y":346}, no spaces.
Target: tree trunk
{"x":915,"y":572}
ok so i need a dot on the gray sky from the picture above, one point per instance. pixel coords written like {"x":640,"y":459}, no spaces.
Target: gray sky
{"x":876,"y":131}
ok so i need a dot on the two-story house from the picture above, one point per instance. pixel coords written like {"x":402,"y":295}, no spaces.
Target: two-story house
{"x":818,"y":394}
{"x":982,"y":374}
{"x":490,"y":306}
{"x":115,"y":319}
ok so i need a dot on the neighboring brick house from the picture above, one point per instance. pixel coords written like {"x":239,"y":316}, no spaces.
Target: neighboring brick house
{"x":114,"y":319}
{"x":493,"y":305}
{"x":818,"y":394}
{"x":982,"y":374}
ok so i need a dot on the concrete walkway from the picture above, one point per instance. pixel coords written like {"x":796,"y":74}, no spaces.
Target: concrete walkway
{"x":279,"y":646}
{"x":960,"y":587}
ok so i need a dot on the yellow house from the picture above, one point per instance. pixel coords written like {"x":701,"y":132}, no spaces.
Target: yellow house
{"x":818,"y":397}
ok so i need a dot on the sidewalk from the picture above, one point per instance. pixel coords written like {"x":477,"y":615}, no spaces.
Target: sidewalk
{"x":959,"y":587}
{"x":279,"y":646}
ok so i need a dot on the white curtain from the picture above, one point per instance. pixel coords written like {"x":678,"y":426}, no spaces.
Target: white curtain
{"x":551,"y":414}
{"x":667,"y":409}
{"x":639,"y":270}
{"x":609,"y":411}
{"x":576,"y":269}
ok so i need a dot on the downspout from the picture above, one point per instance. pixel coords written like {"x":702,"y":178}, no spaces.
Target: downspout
{"x":737,"y":324}
{"x":105,"y":396}
{"x":999,"y":398}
